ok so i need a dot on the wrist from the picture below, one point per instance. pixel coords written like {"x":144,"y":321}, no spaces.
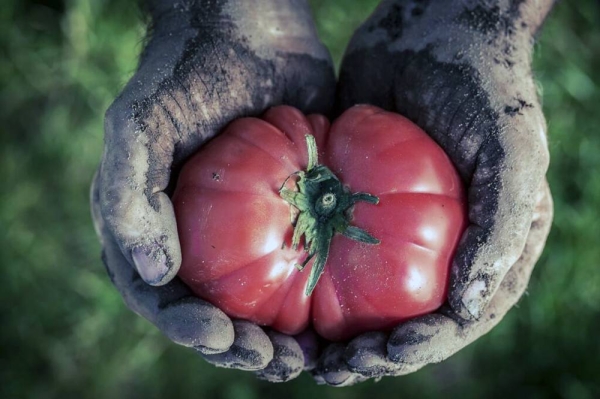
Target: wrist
{"x":477,"y":33}
{"x":443,"y":19}
{"x":272,"y":25}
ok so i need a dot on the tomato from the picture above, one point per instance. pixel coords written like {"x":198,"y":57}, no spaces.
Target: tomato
{"x":237,"y":236}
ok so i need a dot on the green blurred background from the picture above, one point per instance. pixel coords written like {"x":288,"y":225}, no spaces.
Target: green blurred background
{"x":64,"y":330}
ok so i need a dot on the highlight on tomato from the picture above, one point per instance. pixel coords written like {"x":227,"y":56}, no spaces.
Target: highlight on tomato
{"x":289,"y":222}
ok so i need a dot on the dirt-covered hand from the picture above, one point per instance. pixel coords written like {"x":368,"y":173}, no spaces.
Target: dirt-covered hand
{"x":205,"y":64}
{"x":434,"y":337}
{"x":462,"y":72}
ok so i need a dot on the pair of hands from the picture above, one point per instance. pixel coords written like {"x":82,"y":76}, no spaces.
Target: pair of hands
{"x":460,"y":71}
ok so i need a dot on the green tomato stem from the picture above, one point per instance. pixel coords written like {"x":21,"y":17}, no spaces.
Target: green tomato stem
{"x":325,"y":208}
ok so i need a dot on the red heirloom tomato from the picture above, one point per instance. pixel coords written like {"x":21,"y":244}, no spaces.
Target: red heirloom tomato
{"x":237,"y":199}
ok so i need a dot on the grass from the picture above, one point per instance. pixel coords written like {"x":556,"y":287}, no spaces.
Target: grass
{"x":65,"y":331}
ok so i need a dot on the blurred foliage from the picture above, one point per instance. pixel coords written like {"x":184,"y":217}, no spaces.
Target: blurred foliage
{"x":65,"y":331}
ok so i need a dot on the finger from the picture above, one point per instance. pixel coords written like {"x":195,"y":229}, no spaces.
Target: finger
{"x":193,"y":322}
{"x":141,"y":129}
{"x":251,"y":350}
{"x":138,"y":296}
{"x":135,"y":172}
{"x":516,"y":280}
{"x":501,"y":202}
{"x":186,"y":320}
{"x":333,"y":370}
{"x":433,"y":338}
{"x":424,"y":340}
{"x":288,"y":359}
{"x":309,"y":342}
{"x":367,"y":356}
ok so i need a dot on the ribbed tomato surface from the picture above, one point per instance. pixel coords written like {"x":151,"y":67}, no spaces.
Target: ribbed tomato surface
{"x":235,"y":229}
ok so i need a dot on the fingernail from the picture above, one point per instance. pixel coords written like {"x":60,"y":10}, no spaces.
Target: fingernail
{"x":473,"y":298}
{"x":151,"y":264}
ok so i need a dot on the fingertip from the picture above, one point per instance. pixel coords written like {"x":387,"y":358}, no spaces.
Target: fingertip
{"x":193,"y":322}
{"x":332,"y":369}
{"x":153,"y":264}
{"x":131,"y":201}
{"x":426,"y":339}
{"x":251,"y":350}
{"x":367,"y":355}
{"x":476,"y":266}
{"x":288,"y":359}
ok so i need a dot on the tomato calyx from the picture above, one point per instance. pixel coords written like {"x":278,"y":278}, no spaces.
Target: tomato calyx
{"x":325,"y":208}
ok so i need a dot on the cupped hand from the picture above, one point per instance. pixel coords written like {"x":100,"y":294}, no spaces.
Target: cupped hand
{"x":205,"y":64}
{"x":462,"y":72}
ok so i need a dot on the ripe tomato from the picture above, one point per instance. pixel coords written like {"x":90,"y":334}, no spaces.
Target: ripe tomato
{"x":236,"y":229}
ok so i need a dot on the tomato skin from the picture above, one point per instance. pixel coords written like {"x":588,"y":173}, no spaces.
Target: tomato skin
{"x":235,"y":229}
{"x":232,"y":222}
